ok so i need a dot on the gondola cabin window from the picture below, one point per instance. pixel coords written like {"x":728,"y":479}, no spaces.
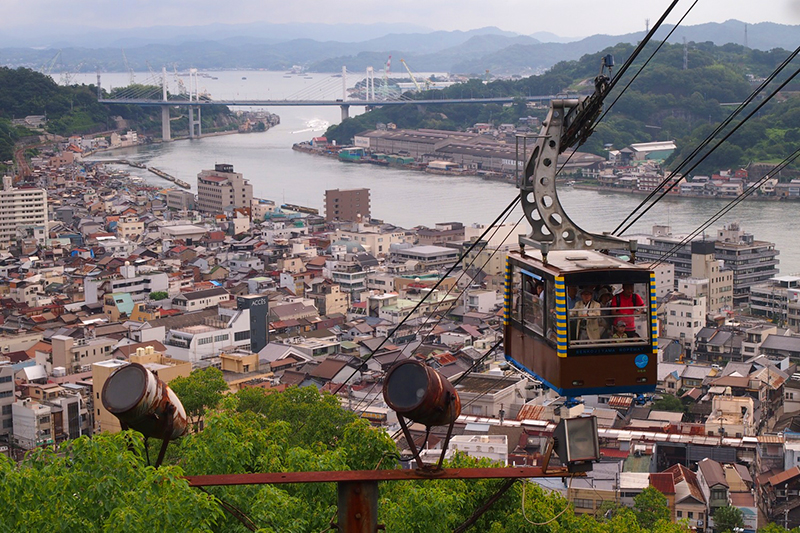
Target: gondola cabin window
{"x":533,"y":301}
{"x":608,"y":314}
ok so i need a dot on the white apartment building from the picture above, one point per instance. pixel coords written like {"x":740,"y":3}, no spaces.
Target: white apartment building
{"x":32,"y":424}
{"x":20,"y":207}
{"x":685,"y":316}
{"x":375,"y":239}
{"x":138,"y":284}
{"x":227,"y":331}
{"x":222,"y":188}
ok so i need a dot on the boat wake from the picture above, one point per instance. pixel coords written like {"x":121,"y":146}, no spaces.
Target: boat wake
{"x":314,"y":125}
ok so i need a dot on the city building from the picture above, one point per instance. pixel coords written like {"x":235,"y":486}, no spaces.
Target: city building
{"x":138,"y":284}
{"x":778,"y":299}
{"x":21,"y":209}
{"x":751,"y":260}
{"x":719,"y":290}
{"x":130,"y":227}
{"x":77,"y":355}
{"x":180,"y":200}
{"x":203,"y":299}
{"x":6,"y":399}
{"x":374,"y":239}
{"x":685,"y":317}
{"x":222,"y":188}
{"x":351,"y":205}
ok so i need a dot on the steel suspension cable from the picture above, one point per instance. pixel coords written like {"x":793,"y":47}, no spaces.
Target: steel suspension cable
{"x":730,"y":205}
{"x":508,"y":208}
{"x":717,"y":145}
{"x":711,"y":136}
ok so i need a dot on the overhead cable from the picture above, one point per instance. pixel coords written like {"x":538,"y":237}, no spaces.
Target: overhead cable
{"x":709,"y":138}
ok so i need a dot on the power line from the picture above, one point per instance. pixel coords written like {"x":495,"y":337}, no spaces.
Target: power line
{"x":508,"y":208}
{"x":706,"y":142}
{"x":717,"y":145}
{"x":730,"y":205}
{"x":441,"y":317}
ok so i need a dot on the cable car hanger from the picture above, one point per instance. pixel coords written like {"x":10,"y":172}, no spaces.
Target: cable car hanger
{"x":570,"y":121}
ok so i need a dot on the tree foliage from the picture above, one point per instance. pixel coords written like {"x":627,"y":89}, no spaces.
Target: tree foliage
{"x":104,"y":483}
{"x":74,"y":109}
{"x":727,"y":518}
{"x":200,"y":391}
{"x":670,"y":403}
{"x":651,"y":506}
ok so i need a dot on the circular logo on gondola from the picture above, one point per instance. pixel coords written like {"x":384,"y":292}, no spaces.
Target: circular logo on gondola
{"x":641,"y":360}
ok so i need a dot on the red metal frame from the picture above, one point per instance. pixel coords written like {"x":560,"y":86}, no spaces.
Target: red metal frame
{"x":277,"y":478}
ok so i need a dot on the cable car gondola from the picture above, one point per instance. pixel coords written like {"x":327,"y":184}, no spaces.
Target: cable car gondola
{"x":555,"y":329}
{"x":586,"y":349}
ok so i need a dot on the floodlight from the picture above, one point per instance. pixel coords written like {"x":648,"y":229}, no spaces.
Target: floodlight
{"x":143,"y":402}
{"x":419,"y":393}
{"x":576,"y":444}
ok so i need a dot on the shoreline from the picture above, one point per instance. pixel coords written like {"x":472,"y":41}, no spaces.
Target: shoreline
{"x":160,"y":141}
{"x":619,"y":190}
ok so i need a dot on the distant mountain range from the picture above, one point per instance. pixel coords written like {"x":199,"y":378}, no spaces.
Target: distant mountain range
{"x":326,"y":48}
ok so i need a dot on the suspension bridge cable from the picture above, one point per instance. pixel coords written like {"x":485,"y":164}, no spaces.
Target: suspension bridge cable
{"x":727,"y":135}
{"x":727,"y":208}
{"x":713,"y":134}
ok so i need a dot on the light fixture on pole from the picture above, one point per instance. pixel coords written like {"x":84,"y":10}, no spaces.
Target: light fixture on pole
{"x":144,"y":403}
{"x":419,"y":393}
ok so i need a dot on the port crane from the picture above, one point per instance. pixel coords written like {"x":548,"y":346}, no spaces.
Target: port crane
{"x":413,"y":79}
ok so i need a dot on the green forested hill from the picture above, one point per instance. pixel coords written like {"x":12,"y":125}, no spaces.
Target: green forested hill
{"x":74,"y":109}
{"x":665,"y":102}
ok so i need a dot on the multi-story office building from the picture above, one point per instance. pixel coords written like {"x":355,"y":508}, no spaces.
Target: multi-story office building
{"x":20,"y":207}
{"x":750,"y":260}
{"x":180,"y":200}
{"x":350,"y":205}
{"x":222,"y":188}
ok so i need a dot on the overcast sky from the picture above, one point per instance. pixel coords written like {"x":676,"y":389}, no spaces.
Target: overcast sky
{"x":566,"y":18}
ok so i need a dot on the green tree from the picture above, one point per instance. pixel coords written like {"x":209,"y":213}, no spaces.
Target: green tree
{"x":670,"y":403}
{"x":159,"y":295}
{"x":727,"y":518}
{"x":101,"y":484}
{"x":200,"y":391}
{"x":651,"y":506}
{"x":104,"y":483}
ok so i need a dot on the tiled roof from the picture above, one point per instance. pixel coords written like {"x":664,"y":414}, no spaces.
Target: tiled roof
{"x":663,"y":483}
{"x":784,"y":476}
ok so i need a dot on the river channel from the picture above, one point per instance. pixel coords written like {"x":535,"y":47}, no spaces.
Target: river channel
{"x":402,"y":197}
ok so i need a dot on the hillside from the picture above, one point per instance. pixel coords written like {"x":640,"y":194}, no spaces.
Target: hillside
{"x":277,"y":47}
{"x":665,"y":102}
{"x":75,"y":109}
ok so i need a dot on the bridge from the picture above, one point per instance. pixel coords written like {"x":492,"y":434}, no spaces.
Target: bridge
{"x":155,"y":93}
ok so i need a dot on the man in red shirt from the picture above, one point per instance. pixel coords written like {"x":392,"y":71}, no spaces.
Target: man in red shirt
{"x":626,"y":304}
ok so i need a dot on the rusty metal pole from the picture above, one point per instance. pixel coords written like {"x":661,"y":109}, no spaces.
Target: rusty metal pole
{"x":358,"y":506}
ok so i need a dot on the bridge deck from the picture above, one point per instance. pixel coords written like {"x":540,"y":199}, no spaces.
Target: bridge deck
{"x":280,"y":103}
